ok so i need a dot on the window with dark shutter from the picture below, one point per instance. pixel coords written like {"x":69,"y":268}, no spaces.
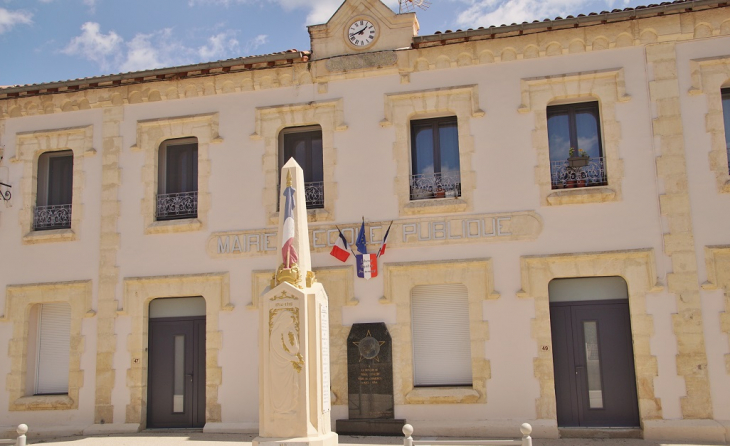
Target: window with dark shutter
{"x":55,"y":191}
{"x":177,"y":195}
{"x":304,"y":144}
{"x":435,"y":165}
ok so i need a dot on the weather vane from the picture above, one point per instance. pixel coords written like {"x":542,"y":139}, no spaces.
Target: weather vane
{"x":408,"y":5}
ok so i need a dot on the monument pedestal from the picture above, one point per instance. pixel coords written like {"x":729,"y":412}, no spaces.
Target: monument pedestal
{"x":374,"y":426}
{"x":295,"y":407}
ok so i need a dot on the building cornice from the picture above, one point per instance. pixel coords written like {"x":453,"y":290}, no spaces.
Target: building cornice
{"x":559,"y":23}
{"x":157,"y":75}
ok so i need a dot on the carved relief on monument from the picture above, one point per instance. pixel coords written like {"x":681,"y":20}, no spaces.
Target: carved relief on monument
{"x":284,"y":354}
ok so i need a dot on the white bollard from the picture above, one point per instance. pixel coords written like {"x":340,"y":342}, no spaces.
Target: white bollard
{"x":21,"y":430}
{"x":408,"y":431}
{"x":526,"y":430}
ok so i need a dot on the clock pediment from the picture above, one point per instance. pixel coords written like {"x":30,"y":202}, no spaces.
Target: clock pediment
{"x":360,"y":26}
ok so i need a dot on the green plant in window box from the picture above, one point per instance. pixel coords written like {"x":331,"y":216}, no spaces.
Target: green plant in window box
{"x":581,"y":160}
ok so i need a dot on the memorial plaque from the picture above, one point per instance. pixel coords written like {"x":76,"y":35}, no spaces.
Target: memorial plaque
{"x":370,"y":371}
{"x":370,"y":382}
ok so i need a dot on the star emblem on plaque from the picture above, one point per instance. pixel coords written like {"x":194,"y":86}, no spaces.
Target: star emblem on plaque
{"x":369,"y":347}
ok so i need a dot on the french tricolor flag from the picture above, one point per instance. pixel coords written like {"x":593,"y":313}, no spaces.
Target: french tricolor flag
{"x":288,"y":251}
{"x":341,"y":250}
{"x":381,"y":251}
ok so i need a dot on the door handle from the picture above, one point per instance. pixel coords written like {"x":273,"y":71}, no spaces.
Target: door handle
{"x":579,"y":367}
{"x":190,"y":375}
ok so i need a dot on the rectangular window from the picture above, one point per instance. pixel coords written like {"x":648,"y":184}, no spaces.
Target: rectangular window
{"x":304,"y":144}
{"x":55,"y":189}
{"x":576,"y":154}
{"x":435,"y":167}
{"x":177,"y":195}
{"x":441,"y":335}
{"x":726,"y":117}
{"x":53,"y":349}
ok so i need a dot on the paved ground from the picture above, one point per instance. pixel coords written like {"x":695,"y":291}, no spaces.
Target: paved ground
{"x":200,"y":439}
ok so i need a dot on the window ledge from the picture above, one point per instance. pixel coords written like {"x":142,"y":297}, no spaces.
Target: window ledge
{"x":435,"y":205}
{"x":313,"y":215}
{"x":581,"y":196}
{"x":43,"y":402}
{"x":174,"y":226}
{"x":49,"y":236}
{"x":442,"y":395}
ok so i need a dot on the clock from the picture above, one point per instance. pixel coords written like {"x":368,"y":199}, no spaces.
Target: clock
{"x":361,"y":33}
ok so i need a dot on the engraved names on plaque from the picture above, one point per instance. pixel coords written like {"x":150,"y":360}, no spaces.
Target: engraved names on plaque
{"x":325,"y":323}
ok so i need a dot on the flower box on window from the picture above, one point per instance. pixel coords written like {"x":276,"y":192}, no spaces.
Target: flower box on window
{"x":578,"y":161}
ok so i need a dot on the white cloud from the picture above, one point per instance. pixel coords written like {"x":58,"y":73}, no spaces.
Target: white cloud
{"x":491,"y":12}
{"x":154,"y":50}
{"x":218,"y":46}
{"x":253,"y":44}
{"x":319,"y":11}
{"x":96,"y":46}
{"x":143,"y":54}
{"x":8,"y":19}
{"x":91,"y":4}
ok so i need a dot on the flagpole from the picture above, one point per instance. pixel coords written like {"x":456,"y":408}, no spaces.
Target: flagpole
{"x":384,"y":238}
{"x":348,"y":245}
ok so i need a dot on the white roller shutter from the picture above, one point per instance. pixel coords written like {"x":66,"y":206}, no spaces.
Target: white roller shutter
{"x":54,"y":347}
{"x":441,"y":341}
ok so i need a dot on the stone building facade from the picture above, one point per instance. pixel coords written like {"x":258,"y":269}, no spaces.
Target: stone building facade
{"x":538,"y":176}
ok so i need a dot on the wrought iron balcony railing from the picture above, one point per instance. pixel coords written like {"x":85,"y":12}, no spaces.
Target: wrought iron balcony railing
{"x":177,"y":205}
{"x":435,"y":185}
{"x":587,"y":173}
{"x":313,"y":194}
{"x":57,"y":216}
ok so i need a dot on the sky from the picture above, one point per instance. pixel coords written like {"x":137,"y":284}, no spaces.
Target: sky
{"x":54,"y":40}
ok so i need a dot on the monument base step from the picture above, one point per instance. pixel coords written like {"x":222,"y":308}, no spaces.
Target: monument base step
{"x":329,"y":439}
{"x":375,"y":426}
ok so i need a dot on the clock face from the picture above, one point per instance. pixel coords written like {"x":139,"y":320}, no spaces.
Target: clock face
{"x":361,"y":33}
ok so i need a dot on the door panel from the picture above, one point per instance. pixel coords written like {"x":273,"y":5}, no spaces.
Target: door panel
{"x":595,"y":382}
{"x":564,"y":364}
{"x":176,"y":374}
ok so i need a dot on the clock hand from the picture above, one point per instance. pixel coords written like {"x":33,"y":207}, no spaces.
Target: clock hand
{"x":358,"y":32}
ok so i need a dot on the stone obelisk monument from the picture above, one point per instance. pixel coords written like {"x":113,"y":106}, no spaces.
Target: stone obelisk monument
{"x":294,"y":381}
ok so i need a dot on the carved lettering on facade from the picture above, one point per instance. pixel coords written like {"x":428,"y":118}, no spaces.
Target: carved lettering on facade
{"x":475,"y":228}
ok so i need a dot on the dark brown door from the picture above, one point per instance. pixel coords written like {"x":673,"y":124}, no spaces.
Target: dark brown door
{"x":595,"y":384}
{"x":176,"y":375}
